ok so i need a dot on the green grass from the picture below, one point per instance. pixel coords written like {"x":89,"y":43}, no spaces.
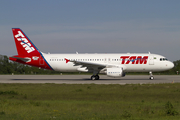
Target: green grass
{"x":89,"y":102}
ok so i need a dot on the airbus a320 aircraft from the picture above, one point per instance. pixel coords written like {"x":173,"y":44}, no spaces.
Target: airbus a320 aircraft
{"x":113,"y":65}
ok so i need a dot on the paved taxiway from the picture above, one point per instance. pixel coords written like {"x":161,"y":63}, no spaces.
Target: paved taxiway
{"x":85,"y":79}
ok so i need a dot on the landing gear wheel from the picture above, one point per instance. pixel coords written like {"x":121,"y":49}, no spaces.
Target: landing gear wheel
{"x":95,"y":77}
{"x":151,"y":77}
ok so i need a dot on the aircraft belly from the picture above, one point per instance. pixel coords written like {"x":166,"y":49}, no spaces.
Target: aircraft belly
{"x":139,"y":68}
{"x":63,"y":67}
{"x":145,"y":68}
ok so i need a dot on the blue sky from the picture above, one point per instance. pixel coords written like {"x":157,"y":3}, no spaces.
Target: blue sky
{"x":94,"y":26}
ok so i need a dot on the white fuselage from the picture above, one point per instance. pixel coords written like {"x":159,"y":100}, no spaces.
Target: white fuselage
{"x":129,"y":62}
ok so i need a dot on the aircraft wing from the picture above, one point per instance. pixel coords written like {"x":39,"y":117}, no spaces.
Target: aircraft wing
{"x":89,"y":64}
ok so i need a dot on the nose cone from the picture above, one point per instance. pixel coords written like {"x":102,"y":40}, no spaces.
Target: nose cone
{"x":170,"y":65}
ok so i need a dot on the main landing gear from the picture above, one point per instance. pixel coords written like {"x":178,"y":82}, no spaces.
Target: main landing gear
{"x":95,"y":77}
{"x":151,"y":76}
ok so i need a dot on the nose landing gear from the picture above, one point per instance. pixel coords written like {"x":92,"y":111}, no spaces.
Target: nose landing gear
{"x":151,"y":76}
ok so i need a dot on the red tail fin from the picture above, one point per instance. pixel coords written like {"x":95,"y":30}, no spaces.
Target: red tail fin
{"x":27,"y":51}
{"x":23,"y":43}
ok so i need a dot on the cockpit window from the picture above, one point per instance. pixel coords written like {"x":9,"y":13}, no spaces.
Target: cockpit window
{"x":163,"y":59}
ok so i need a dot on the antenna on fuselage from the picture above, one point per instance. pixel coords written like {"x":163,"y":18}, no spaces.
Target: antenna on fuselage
{"x":149,"y":52}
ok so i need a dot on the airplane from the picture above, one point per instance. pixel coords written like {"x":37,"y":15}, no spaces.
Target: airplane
{"x":113,"y":65}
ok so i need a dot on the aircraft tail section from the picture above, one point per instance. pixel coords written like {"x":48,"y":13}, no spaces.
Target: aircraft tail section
{"x":23,"y":43}
{"x":27,"y":51}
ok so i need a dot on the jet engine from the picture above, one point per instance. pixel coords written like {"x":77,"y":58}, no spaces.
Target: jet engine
{"x":115,"y":72}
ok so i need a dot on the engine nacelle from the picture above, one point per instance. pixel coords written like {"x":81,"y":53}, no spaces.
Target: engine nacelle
{"x":84,"y":69}
{"x":115,"y":72}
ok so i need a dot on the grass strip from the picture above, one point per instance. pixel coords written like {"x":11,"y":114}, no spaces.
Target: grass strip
{"x":89,"y":101}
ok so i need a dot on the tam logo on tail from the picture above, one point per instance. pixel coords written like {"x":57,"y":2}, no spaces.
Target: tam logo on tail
{"x":24,"y":42}
{"x":28,"y":53}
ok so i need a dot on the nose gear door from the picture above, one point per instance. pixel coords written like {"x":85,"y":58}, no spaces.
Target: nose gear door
{"x":151,"y":60}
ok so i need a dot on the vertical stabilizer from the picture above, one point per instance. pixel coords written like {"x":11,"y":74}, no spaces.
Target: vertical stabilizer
{"x":27,"y":51}
{"x":23,"y":43}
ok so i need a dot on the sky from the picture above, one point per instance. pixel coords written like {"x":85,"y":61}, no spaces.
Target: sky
{"x":93,"y":26}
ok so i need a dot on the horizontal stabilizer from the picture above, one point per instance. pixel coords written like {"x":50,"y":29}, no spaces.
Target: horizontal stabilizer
{"x":22,"y":59}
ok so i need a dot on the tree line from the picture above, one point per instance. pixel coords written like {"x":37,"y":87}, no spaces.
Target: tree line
{"x":9,"y":67}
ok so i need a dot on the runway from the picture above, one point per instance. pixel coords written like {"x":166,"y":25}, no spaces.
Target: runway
{"x":85,"y":79}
